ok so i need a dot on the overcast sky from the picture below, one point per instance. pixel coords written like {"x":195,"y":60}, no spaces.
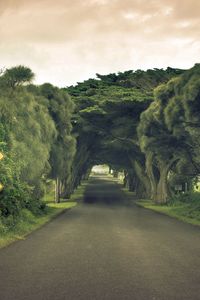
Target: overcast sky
{"x":65,"y":41}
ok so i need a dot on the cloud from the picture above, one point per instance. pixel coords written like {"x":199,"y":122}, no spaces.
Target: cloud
{"x":67,"y":41}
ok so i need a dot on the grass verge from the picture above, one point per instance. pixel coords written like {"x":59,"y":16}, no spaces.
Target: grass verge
{"x":17,"y":229}
{"x":188,"y":212}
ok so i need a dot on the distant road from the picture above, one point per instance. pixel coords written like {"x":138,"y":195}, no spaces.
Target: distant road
{"x":104,"y":249}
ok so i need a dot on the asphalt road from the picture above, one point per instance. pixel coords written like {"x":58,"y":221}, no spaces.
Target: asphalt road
{"x":107,"y":249}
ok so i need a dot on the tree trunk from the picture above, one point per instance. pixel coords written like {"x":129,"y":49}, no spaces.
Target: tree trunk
{"x":131,"y":179}
{"x":144,"y":187}
{"x":125,"y":181}
{"x":162,"y":193}
{"x":115,"y":174}
{"x":87,"y":174}
{"x":162,"y":188}
{"x":81,"y":158}
{"x":153,"y":180}
{"x":57,"y":194}
{"x":110,"y":170}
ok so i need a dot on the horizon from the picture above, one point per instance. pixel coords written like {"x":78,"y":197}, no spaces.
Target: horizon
{"x":95,"y":75}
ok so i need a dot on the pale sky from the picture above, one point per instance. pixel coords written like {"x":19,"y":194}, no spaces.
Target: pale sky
{"x":65,"y":41}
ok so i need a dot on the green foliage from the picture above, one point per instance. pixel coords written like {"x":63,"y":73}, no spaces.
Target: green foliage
{"x":186,"y":205}
{"x":119,"y":119}
{"x":17,"y":76}
{"x":107,"y":114}
{"x":180,"y":208}
{"x":189,"y":197}
{"x":169,"y":128}
{"x":34,"y":125}
{"x":13,"y":228}
{"x":63,"y":148}
{"x":15,"y":194}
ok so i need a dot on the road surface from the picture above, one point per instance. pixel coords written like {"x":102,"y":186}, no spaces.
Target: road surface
{"x":104,"y":249}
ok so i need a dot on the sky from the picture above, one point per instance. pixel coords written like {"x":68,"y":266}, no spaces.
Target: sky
{"x":68,"y":41}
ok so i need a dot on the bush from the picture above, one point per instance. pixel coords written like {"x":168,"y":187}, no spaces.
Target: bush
{"x":190,"y":197}
{"x":13,"y":198}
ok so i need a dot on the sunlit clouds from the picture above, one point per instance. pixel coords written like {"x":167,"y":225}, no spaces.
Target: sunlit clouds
{"x":67,"y":41}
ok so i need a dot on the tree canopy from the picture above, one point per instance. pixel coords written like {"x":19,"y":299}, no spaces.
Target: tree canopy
{"x":17,"y":76}
{"x":108,"y":111}
{"x":142,"y":123}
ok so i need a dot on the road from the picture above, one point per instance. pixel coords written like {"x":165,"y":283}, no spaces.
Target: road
{"x":104,"y":249}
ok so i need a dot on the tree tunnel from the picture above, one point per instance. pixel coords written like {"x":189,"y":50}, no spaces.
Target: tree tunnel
{"x":144,"y":124}
{"x":124,"y":122}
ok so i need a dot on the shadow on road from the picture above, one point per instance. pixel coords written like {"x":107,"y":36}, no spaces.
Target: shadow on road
{"x":103,"y":190}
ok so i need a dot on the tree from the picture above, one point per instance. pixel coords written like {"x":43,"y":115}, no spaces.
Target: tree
{"x":60,"y":108}
{"x":168,"y":132}
{"x":107,"y":114}
{"x":16,"y":76}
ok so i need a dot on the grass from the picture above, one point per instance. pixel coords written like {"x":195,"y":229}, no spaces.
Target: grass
{"x":183,"y":207}
{"x":17,"y":229}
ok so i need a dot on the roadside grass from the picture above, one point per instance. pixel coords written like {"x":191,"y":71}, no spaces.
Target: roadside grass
{"x":183,"y":207}
{"x":13,"y":229}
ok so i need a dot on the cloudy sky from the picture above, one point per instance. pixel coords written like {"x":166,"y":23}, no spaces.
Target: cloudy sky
{"x":65,"y":41}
